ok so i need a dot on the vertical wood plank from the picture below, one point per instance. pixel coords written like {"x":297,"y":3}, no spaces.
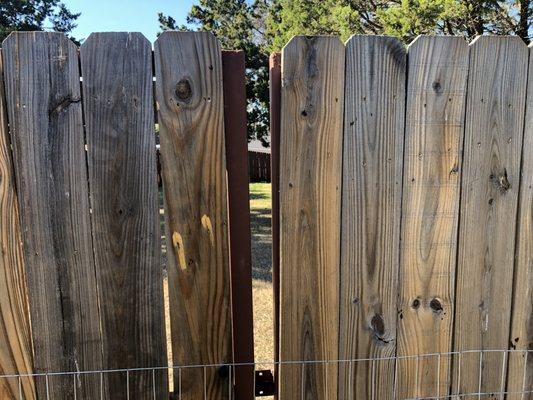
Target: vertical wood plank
{"x":189,"y":94}
{"x":312,"y":96}
{"x":492,"y":152}
{"x":15,"y":336}
{"x":371,"y":207}
{"x":235,"y":128}
{"x":436,"y":94}
{"x":119,"y":120}
{"x":274,"y":64}
{"x":44,"y":109}
{"x":520,"y":375}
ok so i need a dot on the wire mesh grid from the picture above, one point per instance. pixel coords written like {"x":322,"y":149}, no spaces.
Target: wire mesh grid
{"x":177,"y":391}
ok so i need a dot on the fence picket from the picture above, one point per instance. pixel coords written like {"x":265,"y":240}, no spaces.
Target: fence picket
{"x":312,"y":96}
{"x":119,"y":120}
{"x":190,"y":100}
{"x":15,"y":336}
{"x":521,"y":337}
{"x":44,"y":103}
{"x":371,"y":205}
{"x":490,"y":186}
{"x":436,"y":93}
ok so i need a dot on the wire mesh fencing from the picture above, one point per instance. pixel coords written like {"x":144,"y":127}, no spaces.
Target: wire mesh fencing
{"x":181,"y":377}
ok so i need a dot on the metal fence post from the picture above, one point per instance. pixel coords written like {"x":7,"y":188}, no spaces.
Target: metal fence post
{"x":239,"y":220}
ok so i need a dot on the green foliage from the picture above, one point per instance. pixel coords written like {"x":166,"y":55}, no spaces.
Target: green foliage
{"x":410,"y":18}
{"x":413,"y":17}
{"x":404,"y":19}
{"x":311,"y":17}
{"x":35,"y":15}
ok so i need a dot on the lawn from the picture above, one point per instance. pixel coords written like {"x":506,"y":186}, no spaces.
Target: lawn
{"x":260,"y":209}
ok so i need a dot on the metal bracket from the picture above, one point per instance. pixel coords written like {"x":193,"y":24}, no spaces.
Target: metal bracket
{"x":264,"y":383}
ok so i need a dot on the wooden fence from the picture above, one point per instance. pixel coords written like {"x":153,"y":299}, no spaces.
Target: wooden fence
{"x":80,"y":127}
{"x":411,"y":169}
{"x":402,"y":212}
{"x":259,"y":166}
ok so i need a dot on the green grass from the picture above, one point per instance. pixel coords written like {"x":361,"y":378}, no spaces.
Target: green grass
{"x":260,"y":219}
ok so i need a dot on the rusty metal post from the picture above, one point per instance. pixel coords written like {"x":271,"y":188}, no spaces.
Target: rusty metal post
{"x":239,"y":220}
{"x":275,"y":103}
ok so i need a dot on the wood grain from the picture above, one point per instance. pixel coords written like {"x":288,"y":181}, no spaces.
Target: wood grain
{"x":312,"y":95}
{"x":44,"y":108}
{"x":189,"y":95}
{"x":119,"y":126}
{"x":436,"y":95}
{"x":521,"y":337}
{"x":371,"y":207}
{"x":15,"y":336}
{"x":492,"y":152}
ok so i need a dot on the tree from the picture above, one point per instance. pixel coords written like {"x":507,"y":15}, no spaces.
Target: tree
{"x":405,"y":19}
{"x":238,"y":26}
{"x":34,"y":15}
{"x":470,"y":18}
{"x":310,"y":17}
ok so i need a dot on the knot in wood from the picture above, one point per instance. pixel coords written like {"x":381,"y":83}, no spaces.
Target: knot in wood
{"x":378,"y":325}
{"x":416,"y":303}
{"x":436,"y":306}
{"x":437,"y":87}
{"x":500,"y":181}
{"x":184,"y":90}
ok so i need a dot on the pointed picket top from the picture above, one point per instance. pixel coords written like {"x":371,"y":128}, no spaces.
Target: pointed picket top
{"x":510,"y":40}
{"x":396,"y":47}
{"x":445,"y":51}
{"x":308,"y":50}
{"x":113,"y":36}
{"x":386,"y":38}
{"x":438,"y":42}
{"x":297,"y":39}
{"x":500,"y":49}
{"x":15,"y":35}
{"x":205,"y":36}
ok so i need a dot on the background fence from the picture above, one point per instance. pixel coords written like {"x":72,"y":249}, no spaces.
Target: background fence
{"x":401,"y":219}
{"x":259,"y":164}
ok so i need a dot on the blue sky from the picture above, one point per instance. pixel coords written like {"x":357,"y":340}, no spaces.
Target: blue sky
{"x":125,"y":15}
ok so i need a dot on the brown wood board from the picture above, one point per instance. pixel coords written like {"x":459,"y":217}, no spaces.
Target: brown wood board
{"x":189,"y":96}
